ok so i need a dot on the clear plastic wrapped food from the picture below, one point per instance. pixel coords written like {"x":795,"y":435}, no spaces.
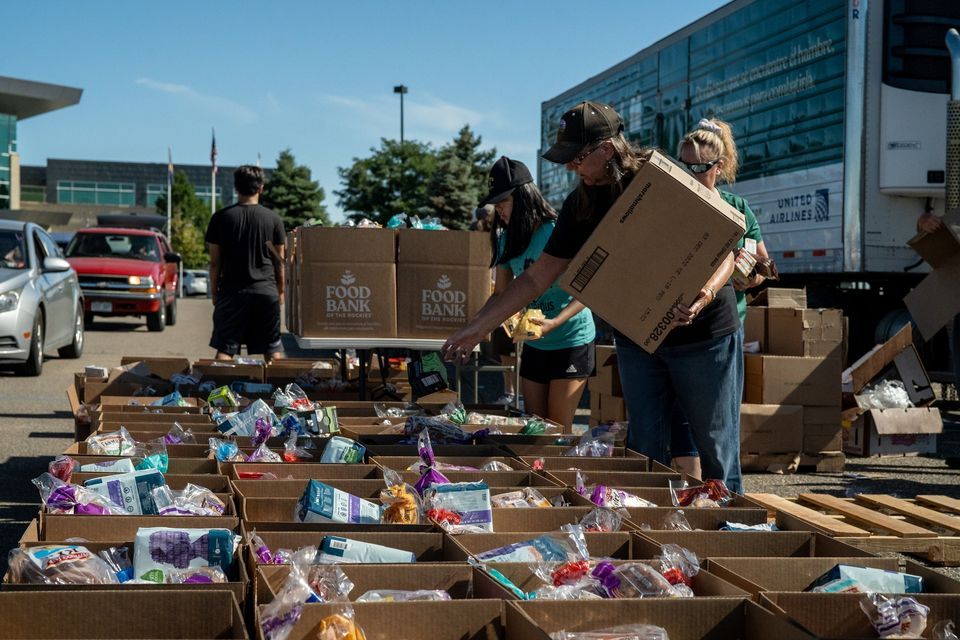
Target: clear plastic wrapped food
{"x":633,"y":580}
{"x":625,"y":632}
{"x":402,"y":503}
{"x":63,"y":498}
{"x":58,"y":565}
{"x":394,"y":595}
{"x":895,"y":617}
{"x":115,"y":443}
{"x":712,"y":493}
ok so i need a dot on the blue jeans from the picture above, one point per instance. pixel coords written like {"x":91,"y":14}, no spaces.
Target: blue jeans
{"x":702,"y":380}
{"x":955,"y":351}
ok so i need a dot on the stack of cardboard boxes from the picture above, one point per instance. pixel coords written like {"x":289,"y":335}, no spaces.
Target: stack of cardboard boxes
{"x":792,"y":381}
{"x":384,"y":283}
{"x":606,"y":394}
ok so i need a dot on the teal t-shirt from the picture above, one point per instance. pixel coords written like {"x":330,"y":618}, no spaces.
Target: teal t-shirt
{"x":752,"y":232}
{"x":576,"y":331}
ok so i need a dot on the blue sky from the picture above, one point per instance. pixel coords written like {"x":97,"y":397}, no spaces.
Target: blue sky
{"x":316,"y":77}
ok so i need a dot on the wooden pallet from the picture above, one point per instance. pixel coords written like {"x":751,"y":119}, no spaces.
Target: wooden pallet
{"x":787,"y":463}
{"x":928,"y":525}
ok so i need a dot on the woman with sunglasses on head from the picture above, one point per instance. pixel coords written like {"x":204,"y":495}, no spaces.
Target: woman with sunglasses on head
{"x":694,"y":367}
{"x":554,"y":368}
{"x":710,"y":154}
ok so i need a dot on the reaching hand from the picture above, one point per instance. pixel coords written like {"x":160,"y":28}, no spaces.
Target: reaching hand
{"x":546,"y":325}
{"x":928,"y":223}
{"x":459,"y":346}
{"x":684,"y":315}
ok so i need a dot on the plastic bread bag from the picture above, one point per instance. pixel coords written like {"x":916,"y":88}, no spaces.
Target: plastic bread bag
{"x":895,"y":618}
{"x":603,"y":520}
{"x":280,"y":615}
{"x":58,"y":565}
{"x":428,"y":475}
{"x":393,"y":595}
{"x":193,"y":500}
{"x":509,"y":500}
{"x":625,"y":632}
{"x":712,"y":493}
{"x":679,"y":566}
{"x":402,"y":503}
{"x":677,"y":521}
{"x":225,"y":451}
{"x":566,"y":592}
{"x":115,"y":443}
{"x":340,"y":625}
{"x":495,"y":465}
{"x":62,"y":467}
{"x":442,"y":430}
{"x":60,"y":497}
{"x":152,"y":455}
{"x":293,"y":452}
{"x":566,"y":545}
{"x":329,"y":583}
{"x":118,"y":559}
{"x":263,"y":453}
{"x":561,"y":573}
{"x":632,"y":580}
{"x":604,"y":496}
{"x":886,"y":394}
{"x":292,"y":398}
{"x":198,"y":575}
{"x":591,"y":445}
{"x":179,"y":435}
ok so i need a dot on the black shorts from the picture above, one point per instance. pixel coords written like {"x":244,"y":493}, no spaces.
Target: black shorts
{"x":542,"y":366}
{"x":501,"y":343}
{"x":246,"y":318}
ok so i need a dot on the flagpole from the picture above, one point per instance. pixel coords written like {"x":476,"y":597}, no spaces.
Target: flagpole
{"x":213,"y":171}
{"x":169,"y":195}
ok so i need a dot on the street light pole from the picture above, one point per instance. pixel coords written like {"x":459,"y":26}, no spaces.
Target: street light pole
{"x":401,"y":89}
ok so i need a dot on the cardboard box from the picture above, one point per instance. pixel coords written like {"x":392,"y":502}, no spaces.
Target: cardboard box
{"x":822,"y":430}
{"x":781,"y":298}
{"x":837,"y":616}
{"x":894,"y":432}
{"x":600,"y":545}
{"x":347,"y":282}
{"x":729,"y":544}
{"x":589,"y":465}
{"x":755,"y":327}
{"x":936,"y":300}
{"x":426,"y":546}
{"x":303,"y":471}
{"x":872,"y":363}
{"x":568,"y":478}
{"x":791,"y":380}
{"x":771,"y":428}
{"x":607,"y":380}
{"x":162,"y":366}
{"x":50,"y":614}
{"x":443,"y":279}
{"x":805,"y":332}
{"x":630,"y":240}
{"x":657,"y":518}
{"x":223,"y":372}
{"x":681,"y":618}
{"x":606,"y":408}
{"x":59,"y":527}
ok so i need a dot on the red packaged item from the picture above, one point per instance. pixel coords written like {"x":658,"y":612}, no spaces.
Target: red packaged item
{"x":570,"y":572}
{"x":444,"y":515}
{"x":713,"y":493}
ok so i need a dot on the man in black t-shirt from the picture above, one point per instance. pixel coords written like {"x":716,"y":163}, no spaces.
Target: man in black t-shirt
{"x":246,"y":244}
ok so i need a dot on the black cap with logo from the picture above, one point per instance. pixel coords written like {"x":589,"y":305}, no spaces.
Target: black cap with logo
{"x":585,"y":123}
{"x":505,"y":176}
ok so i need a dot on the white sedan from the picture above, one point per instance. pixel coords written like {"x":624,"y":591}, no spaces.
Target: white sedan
{"x":195,"y":282}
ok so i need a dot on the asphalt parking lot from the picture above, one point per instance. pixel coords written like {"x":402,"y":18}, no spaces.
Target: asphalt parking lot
{"x":36,"y":424}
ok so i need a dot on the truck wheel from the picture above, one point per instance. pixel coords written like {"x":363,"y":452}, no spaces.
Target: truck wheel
{"x":172,"y":313}
{"x":75,"y":348}
{"x":34,"y":364}
{"x":158,"y":320}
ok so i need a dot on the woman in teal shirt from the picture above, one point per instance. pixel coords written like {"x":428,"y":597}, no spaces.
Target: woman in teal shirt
{"x":553,"y":369}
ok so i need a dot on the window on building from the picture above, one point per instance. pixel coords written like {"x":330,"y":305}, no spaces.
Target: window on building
{"x":154,"y":191}
{"x":203,"y":192}
{"x":121,"y":194}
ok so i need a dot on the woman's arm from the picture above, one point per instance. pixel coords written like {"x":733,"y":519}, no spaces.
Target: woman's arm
{"x":518,"y":294}
{"x":757,"y":279}
{"x":685,"y":315}
{"x":549,"y":324}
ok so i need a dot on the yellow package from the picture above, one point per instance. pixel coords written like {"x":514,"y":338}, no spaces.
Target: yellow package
{"x":527,"y":330}
{"x":510,"y":324}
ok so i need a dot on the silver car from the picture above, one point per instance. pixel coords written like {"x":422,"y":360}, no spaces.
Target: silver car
{"x":41,"y":307}
{"x":195,"y":282}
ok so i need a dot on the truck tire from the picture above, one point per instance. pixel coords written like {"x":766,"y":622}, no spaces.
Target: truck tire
{"x":158,"y":320}
{"x":34,"y":364}
{"x":172,"y":313}
{"x":75,"y":348}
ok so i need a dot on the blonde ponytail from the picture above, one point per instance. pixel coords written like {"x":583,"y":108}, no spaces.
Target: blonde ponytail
{"x":715,"y":137}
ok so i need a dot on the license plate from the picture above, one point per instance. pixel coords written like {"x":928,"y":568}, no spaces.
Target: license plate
{"x":101,"y":306}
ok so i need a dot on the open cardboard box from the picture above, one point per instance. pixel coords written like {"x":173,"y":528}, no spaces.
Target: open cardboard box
{"x":454,"y":620}
{"x":215,"y":482}
{"x":224,"y":371}
{"x":795,"y":380}
{"x":158,"y":614}
{"x":566,"y":463}
{"x":936,"y":300}
{"x":662,"y":497}
{"x":59,"y":527}
{"x":162,"y":366}
{"x":682,"y":618}
{"x":300,"y":471}
{"x":749,"y":544}
{"x":837,"y":616}
{"x":428,"y":547}
{"x":534,"y":521}
{"x":656,"y":518}
{"x":175,"y":466}
{"x":704,"y":584}
{"x":894,"y":432}
{"x":398,"y":463}
{"x":796,"y":574}
{"x":780,"y":298}
{"x":494,"y":480}
{"x":169,"y":417}
{"x":262,"y":513}
{"x":613,"y":478}
{"x":600,"y":545}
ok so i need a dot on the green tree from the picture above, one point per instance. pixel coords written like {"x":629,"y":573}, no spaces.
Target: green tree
{"x":191,"y":215}
{"x":292,"y":194}
{"x":394,"y":179}
{"x":461,"y":178}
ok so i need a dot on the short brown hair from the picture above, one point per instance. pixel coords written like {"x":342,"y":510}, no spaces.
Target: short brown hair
{"x":248,"y":180}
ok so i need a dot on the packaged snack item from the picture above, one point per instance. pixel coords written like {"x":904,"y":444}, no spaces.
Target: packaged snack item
{"x":566,"y":545}
{"x":322,"y":503}
{"x":115,"y":443}
{"x":262,"y":551}
{"x":335,"y":549}
{"x":343,"y":451}
{"x":460,"y":505}
{"x":71,"y":499}
{"x":198,"y":575}
{"x":120,"y":465}
{"x":565,"y":592}
{"x":895,"y":618}
{"x":118,"y":559}
{"x":159,"y":550}
{"x":131,"y":491}
{"x":593,"y":445}
{"x":292,"y":452}
{"x":676,"y":521}
{"x":712,"y":493}
{"x":441,"y":430}
{"x":679,"y":566}
{"x":63,"y":466}
{"x":393,"y":595}
{"x":263,"y":453}
{"x":495,"y":465}
{"x":324,"y":420}
{"x":625,"y":632}
{"x":226,"y":451}
{"x":170,"y":400}
{"x":58,"y":564}
{"x":280,"y":615}
{"x":844,"y":578}
{"x":329,"y":583}
{"x":223,"y":397}
{"x":340,"y":626}
{"x":522,"y":499}
{"x":429,"y":476}
{"x":401,"y":502}
{"x":191,"y":501}
{"x":603,"y":520}
{"x":526,"y":328}
{"x":632,"y":580}
{"x":152,"y":455}
{"x":292,"y":398}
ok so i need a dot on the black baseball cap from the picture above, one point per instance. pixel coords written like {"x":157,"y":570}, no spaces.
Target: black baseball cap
{"x":585,"y":123}
{"x":505,"y":176}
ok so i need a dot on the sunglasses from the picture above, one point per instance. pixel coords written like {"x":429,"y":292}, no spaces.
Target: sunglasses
{"x":583,"y":155}
{"x":700,"y":167}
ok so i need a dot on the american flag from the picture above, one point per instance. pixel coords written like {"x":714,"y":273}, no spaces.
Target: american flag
{"x":213,"y":150}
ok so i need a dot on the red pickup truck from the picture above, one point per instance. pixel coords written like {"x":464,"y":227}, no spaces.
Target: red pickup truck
{"x":126,"y":272}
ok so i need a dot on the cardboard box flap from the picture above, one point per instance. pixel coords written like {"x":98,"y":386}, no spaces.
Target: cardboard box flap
{"x":162,"y":366}
{"x":462,"y":248}
{"x":941,"y":245}
{"x":860,"y":373}
{"x":347,"y":245}
{"x":894,"y":421}
{"x":781,"y":298}
{"x":935,"y":301}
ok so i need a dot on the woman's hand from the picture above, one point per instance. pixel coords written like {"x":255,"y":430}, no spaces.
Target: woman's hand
{"x":928,"y":223}
{"x":458,"y":347}
{"x":546,"y":325}
{"x":684,"y":315}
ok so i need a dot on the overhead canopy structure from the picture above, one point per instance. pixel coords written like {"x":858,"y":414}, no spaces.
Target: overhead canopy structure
{"x":25,"y":98}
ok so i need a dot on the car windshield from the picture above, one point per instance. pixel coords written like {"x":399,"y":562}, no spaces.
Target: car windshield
{"x":112,"y":245}
{"x":13,"y":251}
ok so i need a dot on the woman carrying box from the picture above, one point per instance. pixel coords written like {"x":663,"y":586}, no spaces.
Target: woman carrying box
{"x":555,"y":367}
{"x":695,"y":364}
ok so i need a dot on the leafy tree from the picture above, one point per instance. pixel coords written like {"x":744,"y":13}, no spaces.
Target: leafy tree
{"x":461,"y":178}
{"x":191,"y":215}
{"x":394,"y":179}
{"x":292,"y":194}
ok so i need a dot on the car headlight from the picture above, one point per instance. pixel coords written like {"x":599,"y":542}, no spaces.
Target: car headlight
{"x":9,"y":300}
{"x":141,"y":281}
